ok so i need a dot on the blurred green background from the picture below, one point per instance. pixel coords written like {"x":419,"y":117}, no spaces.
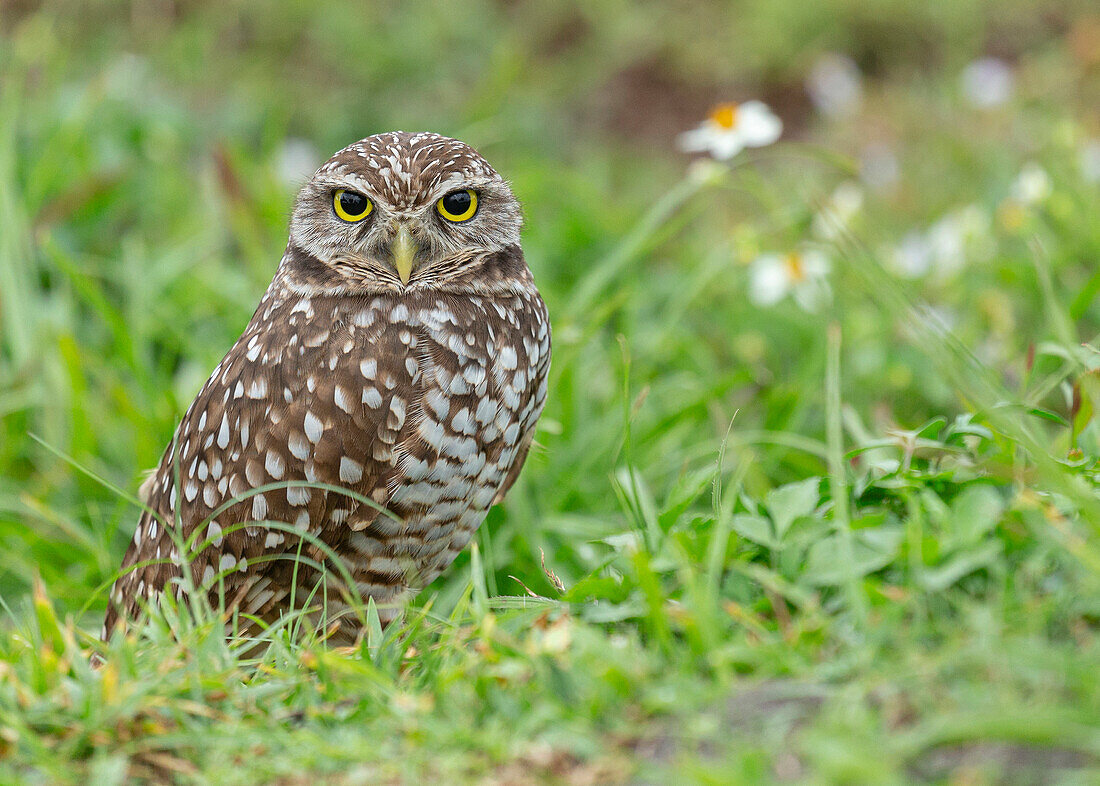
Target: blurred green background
{"x":943,"y":157}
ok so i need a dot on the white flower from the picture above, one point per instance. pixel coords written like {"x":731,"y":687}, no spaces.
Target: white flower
{"x":730,"y":128}
{"x":836,"y":215}
{"x":988,"y":82}
{"x":878,"y":167}
{"x":835,"y":85}
{"x":1090,"y":161}
{"x":912,"y":257}
{"x":1032,"y":186}
{"x":296,"y":162}
{"x":802,"y":275}
{"x":958,"y":236}
{"x":946,"y":246}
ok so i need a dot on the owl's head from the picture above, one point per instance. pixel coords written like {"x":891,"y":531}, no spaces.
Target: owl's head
{"x":400,"y":211}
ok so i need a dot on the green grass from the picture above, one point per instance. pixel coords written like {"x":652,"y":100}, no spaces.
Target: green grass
{"x":755,"y":544}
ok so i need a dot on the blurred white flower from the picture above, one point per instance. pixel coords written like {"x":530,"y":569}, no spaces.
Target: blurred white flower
{"x":836,"y":215}
{"x":912,"y":257}
{"x":803,"y":275}
{"x":988,"y":82}
{"x":1032,"y":186}
{"x":730,"y":128}
{"x":960,"y":236}
{"x":296,"y":162}
{"x":948,"y":246}
{"x":878,"y":167}
{"x":835,"y":85}
{"x":1090,"y":161}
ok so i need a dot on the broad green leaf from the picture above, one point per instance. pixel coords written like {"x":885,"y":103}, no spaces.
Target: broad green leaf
{"x":974,"y":513}
{"x":872,"y":549}
{"x":940,"y":578}
{"x":755,"y":528}
{"x":787,"y":503}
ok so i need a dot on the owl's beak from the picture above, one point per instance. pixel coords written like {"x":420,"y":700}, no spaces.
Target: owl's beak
{"x":403,"y":249}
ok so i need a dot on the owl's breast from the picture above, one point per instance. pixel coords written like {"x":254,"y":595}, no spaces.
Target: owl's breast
{"x":479,"y":369}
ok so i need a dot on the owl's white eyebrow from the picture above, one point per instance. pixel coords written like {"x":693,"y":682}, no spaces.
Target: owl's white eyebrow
{"x":451,"y":183}
{"x":459,"y":180}
{"x":353,"y":181}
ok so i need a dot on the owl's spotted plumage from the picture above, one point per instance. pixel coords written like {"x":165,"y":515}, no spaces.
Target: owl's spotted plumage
{"x":401,"y":360}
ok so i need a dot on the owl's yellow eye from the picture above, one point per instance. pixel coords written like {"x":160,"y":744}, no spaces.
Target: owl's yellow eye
{"x":350,"y":206}
{"x":458,"y":206}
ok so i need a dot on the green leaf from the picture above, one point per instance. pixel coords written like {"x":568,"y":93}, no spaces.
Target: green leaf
{"x":931,"y":429}
{"x":962,"y":564}
{"x":974,"y":512}
{"x":374,"y":626}
{"x":789,"y":502}
{"x":49,"y":626}
{"x":755,"y":528}
{"x":872,"y":549}
{"x":1046,"y":414}
{"x":597,"y":588}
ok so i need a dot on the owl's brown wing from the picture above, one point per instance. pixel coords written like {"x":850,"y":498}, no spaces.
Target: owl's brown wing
{"x":539,"y":350}
{"x":296,"y":400}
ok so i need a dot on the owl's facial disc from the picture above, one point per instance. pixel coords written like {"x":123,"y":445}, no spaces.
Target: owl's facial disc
{"x":404,"y":211}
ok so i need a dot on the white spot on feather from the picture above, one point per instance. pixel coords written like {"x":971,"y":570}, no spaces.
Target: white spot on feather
{"x":438,"y":402}
{"x":298,"y":446}
{"x":314,"y":427}
{"x":372,"y":398}
{"x":298,"y":495}
{"x":463,"y":422}
{"x":223,"y":432}
{"x":274,"y":464}
{"x":341,"y":398}
{"x":350,"y":471}
{"x":397,"y":411}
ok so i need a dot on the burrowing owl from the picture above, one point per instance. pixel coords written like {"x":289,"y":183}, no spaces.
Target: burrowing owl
{"x":382,"y":398}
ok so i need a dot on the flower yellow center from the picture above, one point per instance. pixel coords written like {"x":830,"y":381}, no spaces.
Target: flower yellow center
{"x":724,"y":116}
{"x":795,"y":269}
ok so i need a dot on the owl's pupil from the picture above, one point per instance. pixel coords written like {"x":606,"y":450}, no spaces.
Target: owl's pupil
{"x":457,"y":202}
{"x":352,"y":203}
